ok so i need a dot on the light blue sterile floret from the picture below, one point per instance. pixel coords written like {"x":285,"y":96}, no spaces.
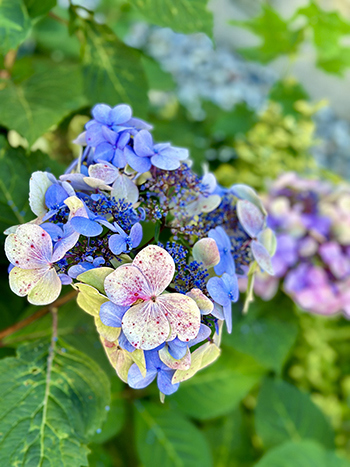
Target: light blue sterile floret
{"x":224,"y":290}
{"x":178,"y":349}
{"x":223,"y":242}
{"x":122,"y":242}
{"x":86,"y":265}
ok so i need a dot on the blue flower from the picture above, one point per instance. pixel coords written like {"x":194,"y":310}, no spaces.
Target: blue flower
{"x":89,"y":263}
{"x":178,"y":349}
{"x":112,"y":149}
{"x":155,"y":369}
{"x":223,"y":242}
{"x":122,"y":242}
{"x":224,"y":290}
{"x":145,"y":153}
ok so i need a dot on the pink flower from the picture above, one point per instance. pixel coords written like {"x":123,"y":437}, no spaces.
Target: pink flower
{"x":153,"y":317}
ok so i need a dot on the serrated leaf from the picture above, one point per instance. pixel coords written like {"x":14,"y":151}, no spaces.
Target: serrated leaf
{"x":302,"y":454}
{"x":276,"y":35}
{"x":218,"y":389}
{"x":164,"y":438}
{"x":187,"y":16}
{"x":14,"y":24}
{"x":39,"y":7}
{"x":113,"y":72}
{"x":285,"y":413}
{"x":51,"y":404}
{"x":16,"y":169}
{"x":42,"y":100}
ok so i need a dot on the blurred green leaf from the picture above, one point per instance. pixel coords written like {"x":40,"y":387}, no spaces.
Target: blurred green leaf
{"x":276,"y":35}
{"x":113,"y":72}
{"x":51,"y":404}
{"x":287,"y":92}
{"x":42,"y":100}
{"x":268,"y":337}
{"x":164,"y":438}
{"x":16,"y":169}
{"x":218,"y":389}
{"x":39,"y":7}
{"x":301,"y":454}
{"x":187,"y":16}
{"x":14,"y":24}
{"x":239,"y":120}
{"x":329,"y":29}
{"x":157,"y":78}
{"x":285,"y":413}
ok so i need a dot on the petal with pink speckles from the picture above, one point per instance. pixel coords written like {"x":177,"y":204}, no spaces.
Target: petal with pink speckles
{"x":126,"y":285}
{"x":29,"y":248}
{"x":251,"y":217}
{"x":157,"y":266}
{"x":104,"y":171}
{"x":145,"y":326}
{"x":183,"y":363}
{"x":183,"y":315}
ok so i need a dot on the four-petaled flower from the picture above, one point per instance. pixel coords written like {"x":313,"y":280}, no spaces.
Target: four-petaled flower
{"x":122,"y":242}
{"x":153,"y":317}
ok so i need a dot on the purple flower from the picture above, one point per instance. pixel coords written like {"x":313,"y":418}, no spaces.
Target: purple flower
{"x":145,"y":154}
{"x":155,"y":369}
{"x":122,"y":242}
{"x":286,"y":254}
{"x":223,"y":242}
{"x":224,"y":290}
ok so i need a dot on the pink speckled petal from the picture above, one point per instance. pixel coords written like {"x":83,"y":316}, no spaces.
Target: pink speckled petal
{"x":104,"y":171}
{"x":126,"y":284}
{"x":29,"y":248}
{"x":183,"y":315}
{"x":145,"y":326}
{"x":251,"y":217}
{"x":23,"y":280}
{"x":205,"y":305}
{"x":183,"y":363}
{"x":157,"y":266}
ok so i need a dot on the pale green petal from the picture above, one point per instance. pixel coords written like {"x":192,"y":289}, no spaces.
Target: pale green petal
{"x":90,"y":299}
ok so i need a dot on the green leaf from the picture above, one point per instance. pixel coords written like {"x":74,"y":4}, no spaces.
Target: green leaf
{"x":113,"y":72}
{"x":238,"y":120}
{"x":157,"y":78}
{"x":16,"y":169}
{"x":51,"y":404}
{"x":329,"y":28}
{"x":166,"y":439}
{"x":218,"y":389}
{"x":42,"y":100}
{"x":268,"y":337}
{"x":276,"y":36}
{"x":287,"y":92}
{"x":284,"y":413}
{"x":301,"y":454}
{"x":14,"y":24}
{"x":187,"y":16}
{"x":39,"y":7}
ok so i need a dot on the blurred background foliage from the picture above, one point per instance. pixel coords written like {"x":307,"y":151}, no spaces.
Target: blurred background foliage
{"x":280,"y":393}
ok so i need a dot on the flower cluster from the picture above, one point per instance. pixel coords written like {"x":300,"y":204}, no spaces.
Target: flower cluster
{"x":152,"y":248}
{"x":311,"y":219}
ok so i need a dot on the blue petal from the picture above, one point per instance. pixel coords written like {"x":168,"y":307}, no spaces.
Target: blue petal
{"x":177,"y":348}
{"x":117,"y":244}
{"x":85,"y":226}
{"x":124,"y":343}
{"x":164,"y":382}
{"x":112,"y":315}
{"x":231,"y":285}
{"x":65,"y":279}
{"x":101,"y":112}
{"x":77,"y":269}
{"x":143,"y":144}
{"x":139,"y":124}
{"x":55,"y":195}
{"x":228,"y":317}
{"x":136,"y":380}
{"x":165,"y":163}
{"x":53,"y":230}
{"x":120,"y":114}
{"x":217,"y":290}
{"x":109,"y":135}
{"x":123,"y":139}
{"x":104,"y":152}
{"x":140,"y":164}
{"x":119,"y":159}
{"x":136,"y":235}
{"x":94,"y":135}
{"x":203,"y":333}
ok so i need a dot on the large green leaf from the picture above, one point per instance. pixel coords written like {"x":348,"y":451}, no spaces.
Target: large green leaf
{"x":187,"y":16}
{"x":285,"y":413}
{"x":113,"y":72}
{"x":329,"y":28}
{"x":16,"y":169}
{"x":301,"y":454}
{"x":52,"y":402}
{"x":267,"y":336}
{"x":14,"y":24}
{"x":39,"y":7}
{"x":42,"y":100}
{"x":276,"y":35}
{"x":218,"y":389}
{"x":166,"y":439}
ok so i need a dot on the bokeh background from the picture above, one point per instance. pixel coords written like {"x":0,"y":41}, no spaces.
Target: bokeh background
{"x":254,"y":89}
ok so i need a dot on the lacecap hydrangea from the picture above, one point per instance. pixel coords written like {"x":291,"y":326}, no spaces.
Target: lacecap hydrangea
{"x":311,"y":219}
{"x":153,"y":249}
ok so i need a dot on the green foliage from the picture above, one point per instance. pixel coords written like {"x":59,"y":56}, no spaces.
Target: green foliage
{"x":218,"y":389}
{"x":52,"y":403}
{"x":14,"y":24}
{"x":187,"y":16}
{"x":165,"y":438}
{"x":301,"y":454}
{"x":285,"y":413}
{"x":39,"y":7}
